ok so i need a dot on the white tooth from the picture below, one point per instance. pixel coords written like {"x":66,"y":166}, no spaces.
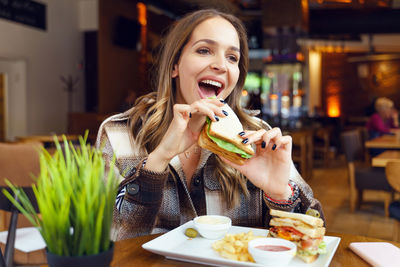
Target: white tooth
{"x":214,"y":83}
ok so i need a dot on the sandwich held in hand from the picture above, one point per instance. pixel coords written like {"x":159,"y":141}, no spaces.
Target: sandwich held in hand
{"x":304,"y":230}
{"x":221,"y":137}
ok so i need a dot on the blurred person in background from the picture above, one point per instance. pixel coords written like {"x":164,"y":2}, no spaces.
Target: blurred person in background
{"x":384,"y":119}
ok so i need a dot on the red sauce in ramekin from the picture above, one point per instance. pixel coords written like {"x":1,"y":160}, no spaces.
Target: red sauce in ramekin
{"x":272,"y":248}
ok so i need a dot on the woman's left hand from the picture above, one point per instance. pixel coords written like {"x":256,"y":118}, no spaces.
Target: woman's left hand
{"x":269,"y":168}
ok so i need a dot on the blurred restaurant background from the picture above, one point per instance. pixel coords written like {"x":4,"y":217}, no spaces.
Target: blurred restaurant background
{"x":316,"y":68}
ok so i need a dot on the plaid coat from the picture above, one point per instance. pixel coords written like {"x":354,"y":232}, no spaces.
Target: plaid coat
{"x":150,"y":202}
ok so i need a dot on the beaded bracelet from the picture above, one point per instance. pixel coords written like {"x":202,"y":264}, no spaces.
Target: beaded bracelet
{"x":293,"y":197}
{"x":144,"y":163}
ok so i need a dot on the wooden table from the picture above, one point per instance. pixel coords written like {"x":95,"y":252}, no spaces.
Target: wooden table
{"x":385,"y":141}
{"x":130,"y":253}
{"x":385,"y":157}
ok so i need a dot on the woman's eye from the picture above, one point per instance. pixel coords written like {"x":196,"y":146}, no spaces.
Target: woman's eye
{"x":233,"y":58}
{"x":203,"y":51}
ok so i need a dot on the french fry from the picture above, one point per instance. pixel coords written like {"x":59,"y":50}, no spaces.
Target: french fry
{"x":234,"y":246}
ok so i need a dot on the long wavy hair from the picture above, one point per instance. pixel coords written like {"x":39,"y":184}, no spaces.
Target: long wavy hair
{"x":153,"y":113}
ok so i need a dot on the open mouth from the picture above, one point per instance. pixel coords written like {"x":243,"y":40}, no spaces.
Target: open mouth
{"x":210,"y":88}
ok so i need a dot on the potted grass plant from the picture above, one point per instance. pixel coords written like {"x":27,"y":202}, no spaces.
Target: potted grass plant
{"x":75,"y":198}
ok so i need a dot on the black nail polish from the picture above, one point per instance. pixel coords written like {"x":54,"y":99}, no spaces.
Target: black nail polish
{"x":225,"y":113}
{"x":263,"y":144}
{"x":222,"y":101}
{"x":216,"y":118}
{"x":190,"y":114}
{"x":274,"y":147}
{"x":241,"y":133}
{"x":245,"y":140}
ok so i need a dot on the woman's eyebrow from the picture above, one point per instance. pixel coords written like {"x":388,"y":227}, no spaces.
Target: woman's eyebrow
{"x":212,"y":42}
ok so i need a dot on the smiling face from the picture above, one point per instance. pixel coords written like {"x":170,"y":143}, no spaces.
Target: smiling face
{"x":209,"y":63}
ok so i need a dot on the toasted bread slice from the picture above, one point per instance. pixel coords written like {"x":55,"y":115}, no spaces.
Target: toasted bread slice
{"x":227,"y":129}
{"x":313,"y":232}
{"x":207,"y":143}
{"x":308,"y":258}
{"x":308,"y":219}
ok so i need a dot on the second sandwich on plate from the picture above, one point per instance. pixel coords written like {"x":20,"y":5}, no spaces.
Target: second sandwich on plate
{"x":304,"y":230}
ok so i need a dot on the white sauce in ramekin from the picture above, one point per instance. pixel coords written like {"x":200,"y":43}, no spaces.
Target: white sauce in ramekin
{"x":211,"y":220}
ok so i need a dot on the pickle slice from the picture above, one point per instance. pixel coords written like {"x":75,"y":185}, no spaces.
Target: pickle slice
{"x":313,"y":212}
{"x":190,"y":232}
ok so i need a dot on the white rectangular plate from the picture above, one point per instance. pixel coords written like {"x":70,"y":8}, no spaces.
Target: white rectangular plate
{"x":175,"y":245}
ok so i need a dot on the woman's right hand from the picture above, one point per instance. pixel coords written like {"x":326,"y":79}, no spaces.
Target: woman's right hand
{"x":183,"y":131}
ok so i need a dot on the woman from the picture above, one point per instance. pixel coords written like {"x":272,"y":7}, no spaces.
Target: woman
{"x":166,"y":179}
{"x":384,"y":119}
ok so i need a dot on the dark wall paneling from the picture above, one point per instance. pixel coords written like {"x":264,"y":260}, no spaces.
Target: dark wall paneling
{"x":358,"y":84}
{"x":124,"y":70}
{"x":118,"y":66}
{"x":126,"y":32}
{"x":91,"y":72}
{"x":278,"y":13}
{"x":339,"y":82}
{"x":354,"y":21}
{"x":383,"y":79}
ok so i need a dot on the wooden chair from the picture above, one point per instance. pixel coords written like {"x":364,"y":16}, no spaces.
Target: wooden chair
{"x":361,"y":175}
{"x":392,"y":171}
{"x":364,"y":135}
{"x":321,"y":143}
{"x":310,"y":155}
{"x":302,"y":152}
{"x":6,"y":259}
{"x":18,"y":161}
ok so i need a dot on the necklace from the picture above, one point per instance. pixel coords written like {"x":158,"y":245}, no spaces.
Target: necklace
{"x":192,"y":150}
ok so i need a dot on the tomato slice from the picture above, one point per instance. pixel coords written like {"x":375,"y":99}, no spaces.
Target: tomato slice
{"x":287,"y":233}
{"x":307,"y":243}
{"x":291,"y":230}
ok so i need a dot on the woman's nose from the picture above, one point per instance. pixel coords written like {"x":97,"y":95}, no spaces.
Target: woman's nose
{"x":219,"y":64}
